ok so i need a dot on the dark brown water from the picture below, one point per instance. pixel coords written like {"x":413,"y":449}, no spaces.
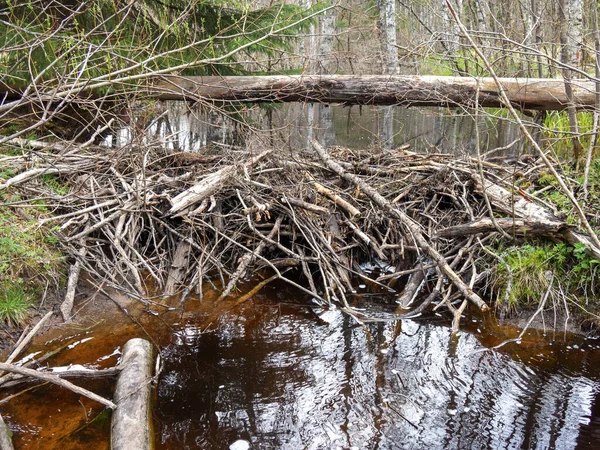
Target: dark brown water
{"x":278,"y":377}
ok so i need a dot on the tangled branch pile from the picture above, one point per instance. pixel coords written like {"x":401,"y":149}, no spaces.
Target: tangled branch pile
{"x":319,"y":220}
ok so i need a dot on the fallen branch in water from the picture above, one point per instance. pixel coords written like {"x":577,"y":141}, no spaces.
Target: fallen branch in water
{"x":58,"y":381}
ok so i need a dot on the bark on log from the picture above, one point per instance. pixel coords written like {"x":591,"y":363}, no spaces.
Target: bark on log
{"x":517,"y":227}
{"x":524,"y":208}
{"x":209,"y":185}
{"x":58,"y":381}
{"x":178,"y":268}
{"x":524,"y":93}
{"x":5,"y":433}
{"x":131,"y":427}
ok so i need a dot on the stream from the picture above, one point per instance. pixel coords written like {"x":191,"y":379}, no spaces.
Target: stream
{"x":276,"y":372}
{"x":279,"y":373}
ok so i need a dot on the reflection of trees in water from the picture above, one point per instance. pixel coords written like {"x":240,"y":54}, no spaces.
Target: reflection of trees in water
{"x":290,"y":382}
{"x":292,"y":126}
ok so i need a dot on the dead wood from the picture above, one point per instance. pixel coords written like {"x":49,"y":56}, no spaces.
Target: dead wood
{"x":515,"y":227}
{"x":150,"y":214}
{"x":405,"y":220}
{"x":58,"y":381}
{"x":5,"y":436}
{"x":525,"y":207}
{"x":527,"y":93}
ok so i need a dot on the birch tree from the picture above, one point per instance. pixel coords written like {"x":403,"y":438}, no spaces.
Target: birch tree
{"x":389,"y":45}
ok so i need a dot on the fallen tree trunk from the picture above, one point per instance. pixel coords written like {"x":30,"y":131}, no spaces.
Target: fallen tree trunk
{"x":132,"y":420}
{"x":524,"y":93}
{"x":522,"y":207}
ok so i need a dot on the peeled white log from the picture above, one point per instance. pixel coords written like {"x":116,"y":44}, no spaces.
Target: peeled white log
{"x":132,"y":420}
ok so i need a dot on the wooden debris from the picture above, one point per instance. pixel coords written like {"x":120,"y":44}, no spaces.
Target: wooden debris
{"x":5,"y":436}
{"x":383,"y":216}
{"x":58,"y":381}
{"x":132,"y":421}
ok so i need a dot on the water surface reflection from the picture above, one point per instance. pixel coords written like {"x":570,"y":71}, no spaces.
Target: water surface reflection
{"x":278,"y":378}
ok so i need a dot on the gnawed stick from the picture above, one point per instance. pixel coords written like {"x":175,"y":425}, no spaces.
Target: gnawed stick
{"x":247,"y":259}
{"x":58,"y":381}
{"x":209,"y":185}
{"x":67,"y":305}
{"x":408,"y":223}
{"x":411,"y":289}
{"x":178,"y":268}
{"x":304,"y":205}
{"x":27,"y":338}
{"x":519,"y":227}
{"x":350,"y":209}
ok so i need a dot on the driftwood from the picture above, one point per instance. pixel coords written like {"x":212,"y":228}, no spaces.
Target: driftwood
{"x":131,"y":427}
{"x":525,"y":93}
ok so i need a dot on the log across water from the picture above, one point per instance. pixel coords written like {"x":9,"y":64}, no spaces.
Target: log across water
{"x":525,"y":93}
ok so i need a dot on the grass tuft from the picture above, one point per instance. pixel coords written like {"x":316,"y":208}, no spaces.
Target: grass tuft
{"x":14,"y":303}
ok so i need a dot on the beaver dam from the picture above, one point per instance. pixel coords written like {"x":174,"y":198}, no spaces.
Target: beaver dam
{"x":321,"y":240}
{"x":416,"y":226}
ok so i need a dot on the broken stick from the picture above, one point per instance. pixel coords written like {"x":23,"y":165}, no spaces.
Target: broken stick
{"x":414,"y":229}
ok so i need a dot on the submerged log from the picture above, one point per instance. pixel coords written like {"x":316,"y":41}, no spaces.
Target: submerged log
{"x":132,"y":420}
{"x":524,"y":93}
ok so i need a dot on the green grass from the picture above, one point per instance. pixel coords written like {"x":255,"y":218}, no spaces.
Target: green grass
{"x":15,"y":302}
{"x":530,"y":264}
{"x":30,"y":259}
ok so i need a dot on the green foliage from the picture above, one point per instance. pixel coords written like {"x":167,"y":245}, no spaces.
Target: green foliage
{"x":54,"y":183}
{"x":557,"y":131}
{"x":530,"y":265}
{"x":15,"y":302}
{"x":70,"y":40}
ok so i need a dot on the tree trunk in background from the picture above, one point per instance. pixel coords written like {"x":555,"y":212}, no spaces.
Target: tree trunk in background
{"x":481,"y":7}
{"x":389,"y":46}
{"x":327,"y":64}
{"x":307,"y":45}
{"x":569,"y":54}
{"x":326,"y":58}
{"x":451,"y":34}
{"x":308,"y":51}
{"x":574,"y":14}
